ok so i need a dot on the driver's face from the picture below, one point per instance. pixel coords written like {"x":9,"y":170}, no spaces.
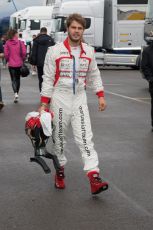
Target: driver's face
{"x":75,"y":31}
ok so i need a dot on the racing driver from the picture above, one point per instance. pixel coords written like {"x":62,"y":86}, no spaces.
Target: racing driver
{"x":70,"y":66}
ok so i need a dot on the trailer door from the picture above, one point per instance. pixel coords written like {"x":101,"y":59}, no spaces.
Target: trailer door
{"x":129,"y":24}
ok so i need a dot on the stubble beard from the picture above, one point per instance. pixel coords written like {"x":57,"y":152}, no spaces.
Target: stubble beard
{"x":74,"y":40}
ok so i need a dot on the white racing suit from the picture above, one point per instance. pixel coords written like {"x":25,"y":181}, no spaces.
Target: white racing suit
{"x":68,"y":98}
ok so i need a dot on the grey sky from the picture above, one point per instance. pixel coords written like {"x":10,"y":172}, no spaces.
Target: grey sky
{"x":8,"y":8}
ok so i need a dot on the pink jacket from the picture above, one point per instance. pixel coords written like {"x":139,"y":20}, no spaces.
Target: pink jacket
{"x":13,"y":54}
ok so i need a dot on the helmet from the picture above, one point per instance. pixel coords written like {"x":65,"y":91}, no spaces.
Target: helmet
{"x":35,"y":132}
{"x":36,"y":129}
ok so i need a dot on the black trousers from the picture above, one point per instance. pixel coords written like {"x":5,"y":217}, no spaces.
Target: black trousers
{"x":15,"y":78}
{"x":151,"y":95}
{"x":40,"y":73}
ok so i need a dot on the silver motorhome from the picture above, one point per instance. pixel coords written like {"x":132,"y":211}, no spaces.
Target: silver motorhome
{"x":114,"y":27}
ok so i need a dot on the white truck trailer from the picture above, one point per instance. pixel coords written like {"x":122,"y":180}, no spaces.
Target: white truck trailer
{"x":32,"y":19}
{"x":114,"y":27}
{"x":148,"y":26}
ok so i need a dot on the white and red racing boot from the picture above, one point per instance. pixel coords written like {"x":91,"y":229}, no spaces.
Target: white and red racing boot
{"x":96,"y":183}
{"x":59,"y":179}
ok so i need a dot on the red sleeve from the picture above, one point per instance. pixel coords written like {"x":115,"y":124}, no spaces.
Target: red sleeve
{"x":100,"y":94}
{"x":45,"y":99}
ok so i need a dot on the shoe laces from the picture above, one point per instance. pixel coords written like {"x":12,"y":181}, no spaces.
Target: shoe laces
{"x":60,"y":174}
{"x":96,"y":178}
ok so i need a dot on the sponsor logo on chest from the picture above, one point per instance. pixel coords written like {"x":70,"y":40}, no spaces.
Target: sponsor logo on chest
{"x":66,"y":64}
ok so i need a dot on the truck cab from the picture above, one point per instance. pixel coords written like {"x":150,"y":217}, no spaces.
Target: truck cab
{"x":14,"y":19}
{"x":32,"y":19}
{"x":93,"y":12}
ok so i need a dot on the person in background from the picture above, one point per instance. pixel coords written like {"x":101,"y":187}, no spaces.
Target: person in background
{"x":21,"y":38}
{"x":1,"y":56}
{"x":33,"y":67}
{"x":15,"y":54}
{"x":39,"y":49}
{"x":33,"y":37}
{"x":3,"y":40}
{"x":147,"y":70}
{"x":69,"y":67}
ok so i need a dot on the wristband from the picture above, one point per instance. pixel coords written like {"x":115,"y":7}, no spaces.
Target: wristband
{"x":45,"y":105}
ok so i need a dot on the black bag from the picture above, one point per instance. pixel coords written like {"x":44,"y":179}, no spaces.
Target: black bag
{"x":24,"y":70}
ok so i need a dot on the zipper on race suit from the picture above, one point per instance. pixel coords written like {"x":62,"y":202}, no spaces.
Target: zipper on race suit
{"x":74,"y":75}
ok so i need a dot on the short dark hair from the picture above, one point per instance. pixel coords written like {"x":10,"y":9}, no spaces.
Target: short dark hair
{"x":20,"y":35}
{"x":43,"y":30}
{"x":76,"y":17}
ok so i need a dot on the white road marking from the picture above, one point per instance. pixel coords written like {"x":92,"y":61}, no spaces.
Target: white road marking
{"x":112,"y":84}
{"x":129,"y":98}
{"x":131,"y":201}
